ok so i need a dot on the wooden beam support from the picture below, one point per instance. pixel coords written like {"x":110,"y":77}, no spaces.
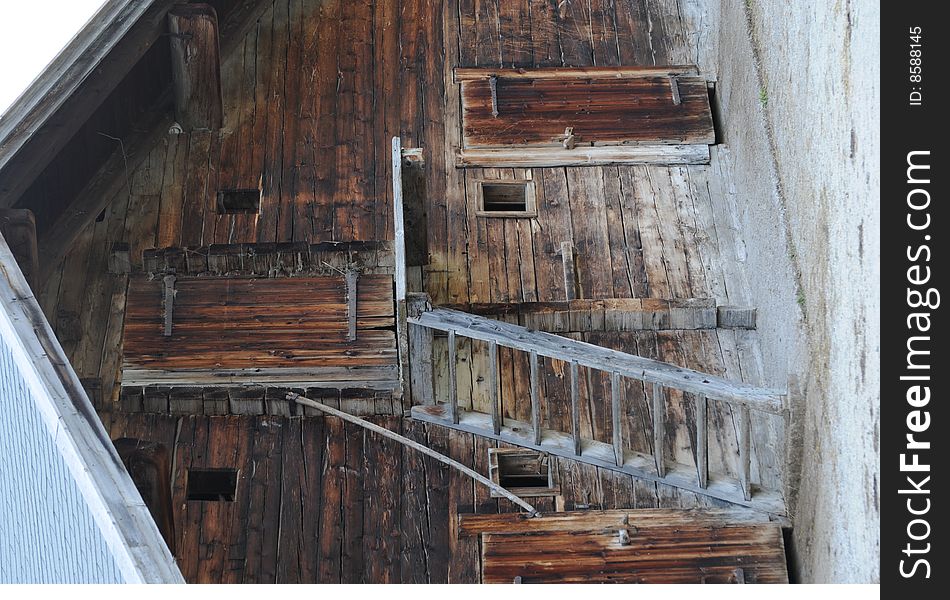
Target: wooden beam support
{"x":702,"y":442}
{"x":745,"y":451}
{"x":615,"y":416}
{"x":576,"y":408}
{"x":477,"y":73}
{"x":496,"y":415}
{"x":535,"y":401}
{"x":18,"y":227}
{"x":583,"y":156}
{"x":453,"y":379}
{"x":196,"y":66}
{"x":659,"y":428}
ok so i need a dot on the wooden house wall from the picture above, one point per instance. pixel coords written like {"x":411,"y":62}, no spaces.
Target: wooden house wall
{"x":322,"y":501}
{"x":311,"y":102}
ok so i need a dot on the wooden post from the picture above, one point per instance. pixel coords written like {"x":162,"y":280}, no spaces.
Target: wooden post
{"x":615,"y":415}
{"x":196,"y":66}
{"x":745,"y":452}
{"x":535,"y":401}
{"x":352,"y":275}
{"x":702,"y":442}
{"x":575,"y":408}
{"x":496,"y":417}
{"x":399,"y":251}
{"x":420,"y":367}
{"x":659,"y":428}
{"x":453,"y":391}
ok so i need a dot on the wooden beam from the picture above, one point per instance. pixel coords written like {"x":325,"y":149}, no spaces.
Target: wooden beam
{"x":18,"y":227}
{"x":702,"y":442}
{"x":604,"y":359}
{"x":473,"y":74}
{"x":76,"y":83}
{"x":453,"y":379}
{"x":583,"y":156}
{"x":575,"y":408}
{"x":535,"y":401}
{"x":745,"y":451}
{"x":196,"y":66}
{"x":615,"y":416}
{"x":659,"y":428}
{"x":496,"y":416}
{"x":735,"y":317}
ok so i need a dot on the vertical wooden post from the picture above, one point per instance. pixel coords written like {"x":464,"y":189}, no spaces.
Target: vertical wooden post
{"x":659,"y":428}
{"x":399,"y":251}
{"x":420,"y":369}
{"x":400,"y":227}
{"x":453,"y":391}
{"x":535,"y":401}
{"x":493,"y":387}
{"x":745,"y":452}
{"x":615,"y":415}
{"x":575,"y":408}
{"x":702,"y":442}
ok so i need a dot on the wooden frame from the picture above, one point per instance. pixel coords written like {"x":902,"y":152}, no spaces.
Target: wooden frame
{"x":530,"y":199}
{"x":498,"y":456}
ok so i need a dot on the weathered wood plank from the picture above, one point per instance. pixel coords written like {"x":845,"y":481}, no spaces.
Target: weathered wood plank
{"x":196,"y":66}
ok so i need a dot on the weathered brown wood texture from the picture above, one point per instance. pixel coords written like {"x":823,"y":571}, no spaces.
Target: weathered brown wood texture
{"x":313,"y":96}
{"x":682,"y":553}
{"x":319,"y":500}
{"x":536,"y":112}
{"x":294,"y":325}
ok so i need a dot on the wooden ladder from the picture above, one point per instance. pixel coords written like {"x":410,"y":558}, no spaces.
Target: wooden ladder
{"x":656,"y":376}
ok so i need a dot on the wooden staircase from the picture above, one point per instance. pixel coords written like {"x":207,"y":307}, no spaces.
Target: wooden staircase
{"x":656,"y":376}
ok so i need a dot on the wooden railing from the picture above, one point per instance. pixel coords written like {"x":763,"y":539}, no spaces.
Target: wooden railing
{"x":655,"y":375}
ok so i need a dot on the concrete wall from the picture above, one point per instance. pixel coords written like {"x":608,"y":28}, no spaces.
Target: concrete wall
{"x":798,"y":87}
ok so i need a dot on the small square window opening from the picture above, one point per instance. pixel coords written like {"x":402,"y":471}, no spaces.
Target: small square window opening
{"x":506,"y":199}
{"x":522,"y":472}
{"x":212,"y":485}
{"x":232,"y":202}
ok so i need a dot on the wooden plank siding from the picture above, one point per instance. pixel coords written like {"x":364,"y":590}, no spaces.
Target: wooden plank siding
{"x":321,"y":501}
{"x":292,"y":326}
{"x":312,"y":97}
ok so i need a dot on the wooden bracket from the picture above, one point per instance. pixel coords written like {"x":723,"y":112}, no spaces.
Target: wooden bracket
{"x":168,"y":290}
{"x":568,"y":142}
{"x":675,"y":90}
{"x":493,"y":85}
{"x":352,"y":276}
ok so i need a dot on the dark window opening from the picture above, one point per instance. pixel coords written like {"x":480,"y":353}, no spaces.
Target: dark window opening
{"x":239,"y":201}
{"x":506,"y":199}
{"x":212,"y":484}
{"x":522,"y":472}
